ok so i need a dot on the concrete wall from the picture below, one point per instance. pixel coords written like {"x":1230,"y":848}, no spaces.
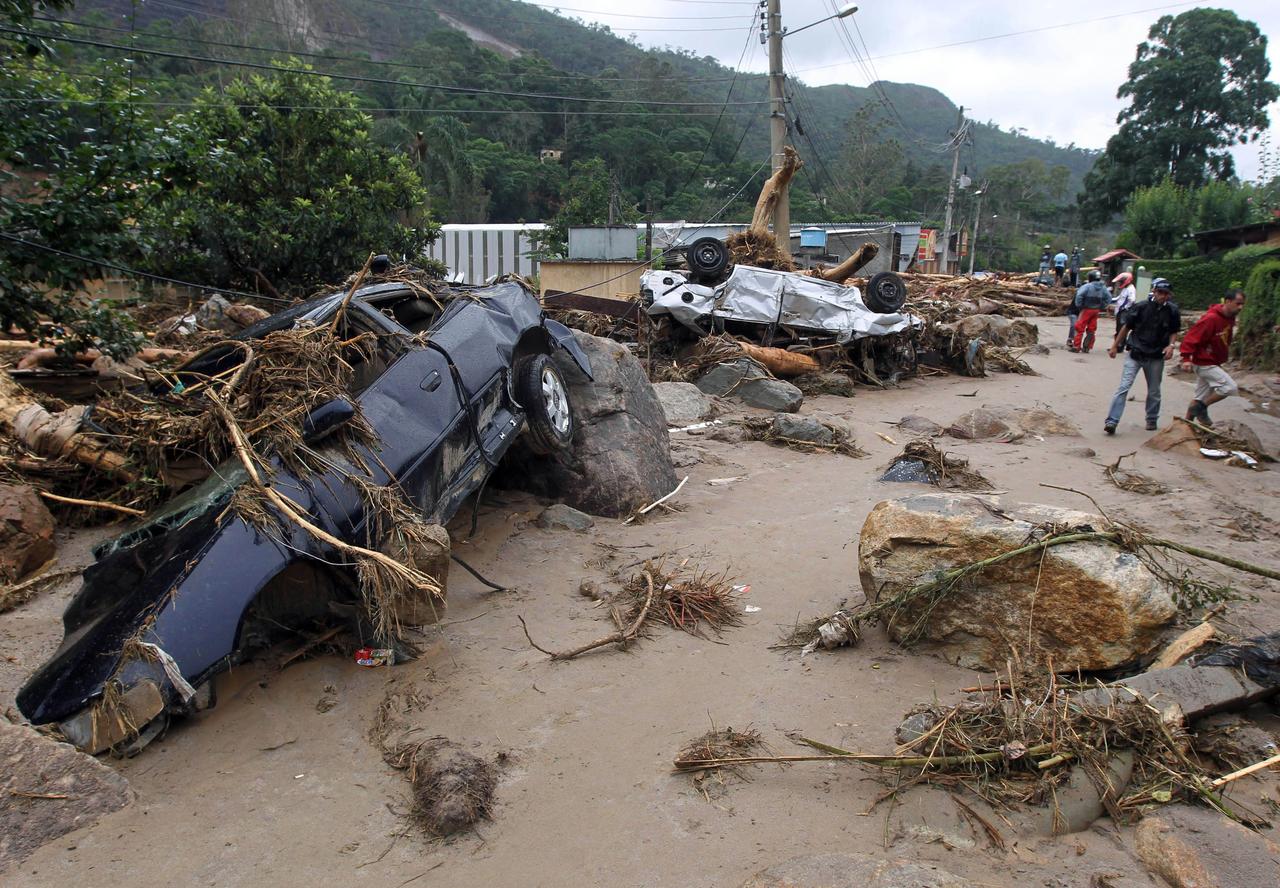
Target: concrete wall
{"x":593,"y":278}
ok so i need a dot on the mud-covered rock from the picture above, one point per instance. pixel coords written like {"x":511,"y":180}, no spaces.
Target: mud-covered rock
{"x":920,"y":425}
{"x":26,"y":532}
{"x":801,"y":428}
{"x":1199,"y":848}
{"x":562,"y":517}
{"x":426,"y":550}
{"x":998,"y":330}
{"x":979,"y":425}
{"x":853,"y":871}
{"x":750,"y":383}
{"x":827,"y":382}
{"x":620,"y":459}
{"x":48,"y":790}
{"x":683,"y":403}
{"x":1090,"y":605}
{"x":244,"y":315}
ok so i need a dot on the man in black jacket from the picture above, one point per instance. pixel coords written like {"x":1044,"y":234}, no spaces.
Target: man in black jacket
{"x":1147,"y":331}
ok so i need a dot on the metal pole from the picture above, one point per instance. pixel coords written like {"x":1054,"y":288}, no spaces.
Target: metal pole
{"x":778,"y":126}
{"x":977,"y":220}
{"x":951,"y":193}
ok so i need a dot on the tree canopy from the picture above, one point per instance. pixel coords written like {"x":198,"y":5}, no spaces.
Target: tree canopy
{"x":1197,"y":86}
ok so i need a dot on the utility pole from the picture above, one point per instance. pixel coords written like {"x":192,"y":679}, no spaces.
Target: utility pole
{"x":778,"y":124}
{"x":977,"y":221}
{"x":951,"y":192}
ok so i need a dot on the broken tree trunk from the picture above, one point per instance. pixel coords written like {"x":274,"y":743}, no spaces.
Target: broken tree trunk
{"x":55,"y":434}
{"x":848,"y":267}
{"x":769,"y":194}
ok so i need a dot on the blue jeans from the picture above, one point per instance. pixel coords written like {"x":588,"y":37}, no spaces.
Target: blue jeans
{"x":1153,"y":370}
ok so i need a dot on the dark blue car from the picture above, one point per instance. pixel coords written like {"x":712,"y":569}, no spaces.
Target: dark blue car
{"x":456,"y":377}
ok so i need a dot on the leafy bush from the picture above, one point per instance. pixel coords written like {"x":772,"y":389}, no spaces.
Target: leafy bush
{"x":276,"y":184}
{"x":1200,"y":282}
{"x":1257,"y":341}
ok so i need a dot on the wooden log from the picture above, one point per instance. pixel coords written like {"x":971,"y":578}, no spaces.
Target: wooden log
{"x":846,"y":269}
{"x":1183,"y":646}
{"x":768,"y":199}
{"x":31,"y":424}
{"x":781,"y":362}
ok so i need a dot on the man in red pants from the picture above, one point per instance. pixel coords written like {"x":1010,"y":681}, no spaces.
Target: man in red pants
{"x":1090,"y":300}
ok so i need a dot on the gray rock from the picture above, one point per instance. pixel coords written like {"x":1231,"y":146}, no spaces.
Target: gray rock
{"x":212,"y":315}
{"x":1082,"y":452}
{"x":1088,"y":604}
{"x":801,"y":428}
{"x":620,"y":459}
{"x":920,"y":424}
{"x":1199,"y":848}
{"x":683,"y":403}
{"x":853,"y":871}
{"x":747,"y":381}
{"x":79,"y":790}
{"x":730,"y":434}
{"x":560,"y":516}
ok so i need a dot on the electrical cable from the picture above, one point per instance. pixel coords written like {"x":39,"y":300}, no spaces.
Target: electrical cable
{"x":355,"y":78}
{"x":135,"y":272}
{"x":15,"y":100}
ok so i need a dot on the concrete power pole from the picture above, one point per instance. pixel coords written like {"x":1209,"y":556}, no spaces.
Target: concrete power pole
{"x":951,"y":192}
{"x":977,"y":223}
{"x":778,"y":124}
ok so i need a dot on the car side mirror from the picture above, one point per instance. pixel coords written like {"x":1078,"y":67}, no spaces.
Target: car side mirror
{"x":326,"y":419}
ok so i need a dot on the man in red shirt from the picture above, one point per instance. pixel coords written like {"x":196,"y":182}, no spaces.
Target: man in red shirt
{"x":1205,"y":348}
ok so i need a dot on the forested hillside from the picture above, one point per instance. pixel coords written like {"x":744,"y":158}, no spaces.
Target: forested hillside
{"x":665,"y":131}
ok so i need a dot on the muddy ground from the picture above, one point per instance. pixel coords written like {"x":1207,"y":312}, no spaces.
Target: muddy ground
{"x":279,"y":784}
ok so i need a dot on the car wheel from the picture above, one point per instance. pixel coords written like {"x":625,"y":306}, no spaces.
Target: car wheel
{"x":707,"y":257}
{"x":886,"y":293}
{"x":541,"y":391}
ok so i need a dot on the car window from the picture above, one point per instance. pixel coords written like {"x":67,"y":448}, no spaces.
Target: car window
{"x":371,"y":349}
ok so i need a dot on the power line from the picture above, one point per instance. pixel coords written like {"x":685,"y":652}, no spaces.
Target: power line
{"x":372,"y":62}
{"x":1039,"y":30}
{"x":280,"y":69}
{"x":102,"y":263}
{"x":17,"y":100}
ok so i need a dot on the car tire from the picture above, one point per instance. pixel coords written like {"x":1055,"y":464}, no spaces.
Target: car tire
{"x":886,"y":293}
{"x":541,"y":391}
{"x":708,"y":257}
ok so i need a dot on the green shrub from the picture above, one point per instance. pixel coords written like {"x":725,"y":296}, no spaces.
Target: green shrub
{"x":1201,"y":281}
{"x":1257,"y":344}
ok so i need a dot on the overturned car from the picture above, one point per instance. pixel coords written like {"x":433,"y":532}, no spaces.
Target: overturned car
{"x":789,"y":310}
{"x":453,"y":376}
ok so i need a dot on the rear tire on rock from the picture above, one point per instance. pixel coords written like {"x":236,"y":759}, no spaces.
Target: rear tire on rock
{"x":541,"y":391}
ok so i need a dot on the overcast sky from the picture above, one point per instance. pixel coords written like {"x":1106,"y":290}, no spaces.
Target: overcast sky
{"x":1059,"y":83}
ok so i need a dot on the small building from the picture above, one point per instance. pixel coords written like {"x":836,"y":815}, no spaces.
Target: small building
{"x":550,"y":155}
{"x":1219,"y":240}
{"x":1114,"y":262}
{"x":601,"y":262}
{"x":928,"y":258}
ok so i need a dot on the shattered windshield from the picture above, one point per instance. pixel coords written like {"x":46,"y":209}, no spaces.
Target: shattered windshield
{"x":210,"y":493}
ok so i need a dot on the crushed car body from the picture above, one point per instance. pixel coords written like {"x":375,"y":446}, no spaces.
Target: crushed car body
{"x":766,"y":298}
{"x":454,"y":377}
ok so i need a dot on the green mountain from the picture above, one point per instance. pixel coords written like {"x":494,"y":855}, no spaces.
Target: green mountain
{"x":480,"y":150}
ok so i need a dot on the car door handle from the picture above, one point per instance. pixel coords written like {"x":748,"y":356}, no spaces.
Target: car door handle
{"x":431,"y":382}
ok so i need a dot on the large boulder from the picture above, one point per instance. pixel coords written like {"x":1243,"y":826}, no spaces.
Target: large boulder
{"x":751,"y":384}
{"x":1089,"y":605}
{"x":26,"y":532}
{"x":982,"y":424}
{"x":1199,"y":848}
{"x":49,"y":789}
{"x":683,"y":403}
{"x":620,"y":459}
{"x":998,"y":330}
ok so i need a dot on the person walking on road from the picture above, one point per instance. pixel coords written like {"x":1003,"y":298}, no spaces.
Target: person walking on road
{"x":1146,"y":331}
{"x":1090,"y":300}
{"x":1059,"y":268}
{"x":1076,"y":254}
{"x":1205,"y":349}
{"x":1126,"y":297}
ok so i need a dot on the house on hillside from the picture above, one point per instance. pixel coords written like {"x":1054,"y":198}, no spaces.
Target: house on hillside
{"x":1113,"y":262}
{"x":1219,"y":240}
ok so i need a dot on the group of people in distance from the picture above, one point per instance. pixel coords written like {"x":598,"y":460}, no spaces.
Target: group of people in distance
{"x":1065,"y":269}
{"x":1147,"y":332}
